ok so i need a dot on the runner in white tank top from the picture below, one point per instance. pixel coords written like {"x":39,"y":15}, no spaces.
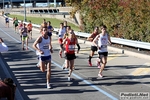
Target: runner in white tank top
{"x":61,"y":33}
{"x":44,"y":49}
{"x":103,"y":40}
{"x":44,"y":46}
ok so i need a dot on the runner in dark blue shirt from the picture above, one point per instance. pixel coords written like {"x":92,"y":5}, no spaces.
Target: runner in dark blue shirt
{"x":7,"y":21}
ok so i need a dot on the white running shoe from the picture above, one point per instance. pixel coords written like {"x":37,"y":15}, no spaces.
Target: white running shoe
{"x":99,"y":66}
{"x":100,"y":75}
{"x":69,"y":78}
{"x":48,"y":86}
{"x":37,"y":65}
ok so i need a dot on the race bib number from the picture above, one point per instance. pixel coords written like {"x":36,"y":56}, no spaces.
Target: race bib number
{"x":71,"y":47}
{"x":103,"y":46}
{"x":24,"y":34}
{"x":46,"y":46}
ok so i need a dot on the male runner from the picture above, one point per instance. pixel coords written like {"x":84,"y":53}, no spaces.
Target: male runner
{"x":103,"y":39}
{"x":93,"y":47}
{"x":43,"y":47}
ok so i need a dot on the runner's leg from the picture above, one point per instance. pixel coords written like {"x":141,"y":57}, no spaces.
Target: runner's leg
{"x":71,"y":62}
{"x":48,"y":75}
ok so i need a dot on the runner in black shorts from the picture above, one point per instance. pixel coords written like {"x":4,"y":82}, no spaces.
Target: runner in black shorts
{"x":101,"y":41}
{"x":93,"y":48}
{"x":7,"y":21}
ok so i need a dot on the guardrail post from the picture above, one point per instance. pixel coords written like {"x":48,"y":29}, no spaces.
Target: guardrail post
{"x":122,"y":51}
{"x":84,"y":41}
{"x":64,"y":16}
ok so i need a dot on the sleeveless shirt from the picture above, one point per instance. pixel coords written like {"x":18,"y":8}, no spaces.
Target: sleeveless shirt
{"x":44,"y":46}
{"x":102,"y":43}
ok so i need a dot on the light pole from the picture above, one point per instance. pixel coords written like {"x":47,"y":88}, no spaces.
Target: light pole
{"x":3,"y":5}
{"x":11,"y":3}
{"x":48,"y":4}
{"x":25,"y":11}
{"x":55,"y":3}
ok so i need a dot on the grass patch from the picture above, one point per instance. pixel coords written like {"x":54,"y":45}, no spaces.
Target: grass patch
{"x":37,"y":20}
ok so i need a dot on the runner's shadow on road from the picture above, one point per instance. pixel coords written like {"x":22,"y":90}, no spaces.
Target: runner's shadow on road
{"x":124,"y":67}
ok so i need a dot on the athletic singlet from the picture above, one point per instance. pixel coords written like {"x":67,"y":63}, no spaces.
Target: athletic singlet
{"x":61,"y":32}
{"x":44,"y":46}
{"x":7,"y":19}
{"x":16,"y":22}
{"x":49,"y":28}
{"x":70,"y":46}
{"x":102,"y":42}
{"x":25,"y":32}
{"x":20,"y":26}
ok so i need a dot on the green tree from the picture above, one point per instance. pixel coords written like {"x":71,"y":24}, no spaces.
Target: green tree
{"x":124,"y":18}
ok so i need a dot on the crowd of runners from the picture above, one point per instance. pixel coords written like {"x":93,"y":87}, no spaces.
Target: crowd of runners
{"x":67,"y":41}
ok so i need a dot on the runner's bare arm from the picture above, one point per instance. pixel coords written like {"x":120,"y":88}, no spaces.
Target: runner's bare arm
{"x":90,"y":38}
{"x":96,"y":39}
{"x":50,"y":45}
{"x":38,"y":40}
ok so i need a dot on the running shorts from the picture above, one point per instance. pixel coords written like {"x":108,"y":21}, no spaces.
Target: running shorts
{"x":93,"y":48}
{"x":45,"y":58}
{"x":7,"y":21}
{"x":105,"y":54}
{"x":24,"y":38}
{"x":16,"y":25}
{"x":70,"y":56}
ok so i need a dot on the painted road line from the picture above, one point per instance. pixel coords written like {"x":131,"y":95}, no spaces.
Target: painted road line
{"x":90,"y":84}
{"x":143,"y":70}
{"x":85,"y":81}
{"x":113,"y":56}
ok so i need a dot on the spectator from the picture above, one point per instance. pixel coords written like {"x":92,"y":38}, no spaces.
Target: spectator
{"x":7,"y":89}
{"x":3,"y":46}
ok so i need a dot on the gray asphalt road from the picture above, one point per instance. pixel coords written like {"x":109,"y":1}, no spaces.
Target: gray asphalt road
{"x":123,"y":73}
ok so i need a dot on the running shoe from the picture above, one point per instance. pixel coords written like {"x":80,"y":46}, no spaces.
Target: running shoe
{"x":100,"y":75}
{"x":69,"y":78}
{"x":90,"y":64}
{"x":98,"y":64}
{"x":48,"y":86}
{"x":26,"y":48}
{"x":37,"y":65}
{"x":23,"y":49}
{"x":64,"y":68}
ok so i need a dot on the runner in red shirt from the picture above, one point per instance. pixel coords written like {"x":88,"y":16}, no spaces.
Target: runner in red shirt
{"x":70,"y":43}
{"x":29,"y":27}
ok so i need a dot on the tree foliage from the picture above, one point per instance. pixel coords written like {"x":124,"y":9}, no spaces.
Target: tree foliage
{"x":124,"y":18}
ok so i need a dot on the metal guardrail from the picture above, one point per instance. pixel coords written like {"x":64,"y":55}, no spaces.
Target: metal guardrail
{"x":136,"y":44}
